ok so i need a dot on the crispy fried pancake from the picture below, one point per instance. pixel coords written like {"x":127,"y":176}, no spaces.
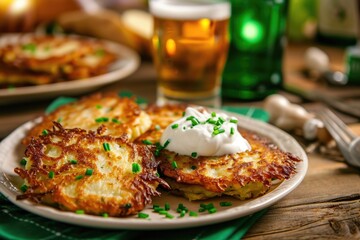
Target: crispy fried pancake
{"x":61,"y":57}
{"x":16,"y":77}
{"x":241,"y":175}
{"x":117,"y":116}
{"x":78,"y":170}
{"x":161,"y":117}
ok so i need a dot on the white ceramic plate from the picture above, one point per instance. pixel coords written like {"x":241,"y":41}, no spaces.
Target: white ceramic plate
{"x":126,"y":63}
{"x":11,"y":153}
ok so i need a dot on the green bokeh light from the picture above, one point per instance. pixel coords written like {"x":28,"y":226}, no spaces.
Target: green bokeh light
{"x":251,"y":31}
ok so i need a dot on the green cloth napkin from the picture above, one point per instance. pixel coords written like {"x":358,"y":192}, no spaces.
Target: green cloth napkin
{"x":16,"y":223}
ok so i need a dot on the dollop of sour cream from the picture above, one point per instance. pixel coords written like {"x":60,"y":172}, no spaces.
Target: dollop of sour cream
{"x":200,"y":133}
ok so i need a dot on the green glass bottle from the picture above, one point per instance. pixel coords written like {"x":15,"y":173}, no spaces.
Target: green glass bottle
{"x":257,"y":37}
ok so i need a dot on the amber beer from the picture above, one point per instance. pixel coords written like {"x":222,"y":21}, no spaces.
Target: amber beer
{"x":190,"y":44}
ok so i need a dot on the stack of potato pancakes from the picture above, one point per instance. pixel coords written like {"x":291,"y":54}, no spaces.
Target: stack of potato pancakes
{"x":102,"y":154}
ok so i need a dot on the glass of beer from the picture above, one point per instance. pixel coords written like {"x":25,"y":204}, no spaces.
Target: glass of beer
{"x":190,"y":45}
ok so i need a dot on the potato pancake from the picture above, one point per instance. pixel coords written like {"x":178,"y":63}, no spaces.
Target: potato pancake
{"x":161,"y":117}
{"x":117,"y":117}
{"x":78,"y":170}
{"x":65,"y":58}
{"x":242,"y":175}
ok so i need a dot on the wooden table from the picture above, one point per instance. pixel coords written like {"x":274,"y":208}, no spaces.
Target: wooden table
{"x":326,"y":205}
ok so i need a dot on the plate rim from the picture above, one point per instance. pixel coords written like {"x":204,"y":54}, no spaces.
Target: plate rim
{"x":129,"y":60}
{"x":252,"y":205}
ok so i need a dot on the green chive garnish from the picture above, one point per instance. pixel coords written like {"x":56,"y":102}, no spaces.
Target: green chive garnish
{"x":211,"y":121}
{"x":166,"y":143}
{"x":98,"y":106}
{"x":101,"y":119}
{"x":218,"y":131}
{"x":168,"y":215}
{"x":51,"y":174}
{"x":79,"y":177}
{"x":143,"y":215}
{"x":24,"y":187}
{"x":127,"y":205}
{"x":136,"y":168}
{"x":167,"y":206}
{"x":225,"y":204}
{"x":194,"y":154}
{"x":45,"y":132}
{"x":31,"y":47}
{"x":106,"y":146}
{"x":174,"y":126}
{"x":212,"y":210}
{"x":79,"y":211}
{"x":114,"y":120}
{"x":147,"y":142}
{"x":193,"y":214}
{"x":213,"y":114}
{"x":194,"y":120}
{"x":182,"y":213}
{"x":233,"y":120}
{"x":174,"y":164}
{"x":105,"y":215}
{"x":232,"y":131}
{"x":193,"y":167}
{"x":89,"y":172}
{"x":23,"y":162}
{"x":73,"y":161}
{"x":59,"y":120}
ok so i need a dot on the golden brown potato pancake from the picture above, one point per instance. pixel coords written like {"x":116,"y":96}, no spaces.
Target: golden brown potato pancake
{"x":117,"y":117}
{"x":77,"y":170}
{"x":242,"y":175}
{"x":161,"y":117}
{"x":63,"y":58}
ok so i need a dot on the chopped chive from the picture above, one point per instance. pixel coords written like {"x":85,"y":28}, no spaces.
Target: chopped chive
{"x":194,"y":154}
{"x":221,"y":120}
{"x":233,"y":120}
{"x":105,"y":215}
{"x":24,"y":187}
{"x":181,"y":208}
{"x":193,"y":167}
{"x":211,"y":121}
{"x":51,"y":174}
{"x":73,"y":161}
{"x":225,"y":204}
{"x":79,"y":177}
{"x":193,"y":214}
{"x":115,"y":120}
{"x":213,"y":114}
{"x":59,"y":120}
{"x":167,"y":206}
{"x":23,"y":162}
{"x":79,"y":211}
{"x":101,"y":119}
{"x":168,"y":215}
{"x":232,"y":131}
{"x":136,"y":168}
{"x":194,"y":120}
{"x":174,"y":126}
{"x":159,"y":209}
{"x":212,"y":210}
{"x":156,"y":206}
{"x":89,"y":172}
{"x":98,"y":106}
{"x":100,"y":52}
{"x":45,"y":132}
{"x":218,"y":131}
{"x":157,"y":127}
{"x":166,"y":143}
{"x":157,"y":174}
{"x":143,"y":215}
{"x":106,"y":146}
{"x":182,"y":213}
{"x":202,"y":209}
{"x":127,"y":205}
{"x":174,"y":164}
{"x":183,"y":113}
{"x":163,"y":212}
{"x":31,"y":47}
{"x":147,"y":142}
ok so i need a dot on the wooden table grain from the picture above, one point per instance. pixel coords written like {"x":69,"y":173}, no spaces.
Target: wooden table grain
{"x":326,"y":205}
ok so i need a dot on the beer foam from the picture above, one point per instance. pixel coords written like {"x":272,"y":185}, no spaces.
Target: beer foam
{"x":190,"y":10}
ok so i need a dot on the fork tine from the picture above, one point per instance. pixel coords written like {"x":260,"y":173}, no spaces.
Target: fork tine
{"x":338,"y":126}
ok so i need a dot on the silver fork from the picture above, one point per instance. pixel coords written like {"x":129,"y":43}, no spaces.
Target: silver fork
{"x":347,"y":141}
